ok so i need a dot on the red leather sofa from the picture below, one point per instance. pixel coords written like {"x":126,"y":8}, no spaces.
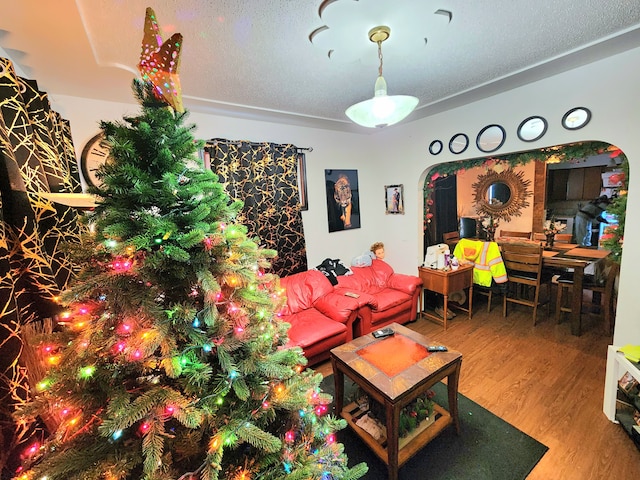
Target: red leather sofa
{"x":320,"y":317}
{"x":383,"y":295}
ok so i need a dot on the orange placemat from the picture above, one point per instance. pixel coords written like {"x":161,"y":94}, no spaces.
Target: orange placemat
{"x":587,"y":253}
{"x":393,"y":355}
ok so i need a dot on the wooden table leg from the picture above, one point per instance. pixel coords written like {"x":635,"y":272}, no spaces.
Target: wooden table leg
{"x":576,"y":301}
{"x":445,"y":310}
{"x":452,"y":390}
{"x":393,"y":422}
{"x":338,"y":385}
{"x":470,"y":300}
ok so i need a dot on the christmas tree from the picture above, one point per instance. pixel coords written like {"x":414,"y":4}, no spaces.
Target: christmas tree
{"x":170,"y":361}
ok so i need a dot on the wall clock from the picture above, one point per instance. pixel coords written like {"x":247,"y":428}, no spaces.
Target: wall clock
{"x":94,"y":154}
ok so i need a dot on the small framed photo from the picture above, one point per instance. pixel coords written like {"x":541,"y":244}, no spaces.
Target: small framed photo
{"x":394,"y":199}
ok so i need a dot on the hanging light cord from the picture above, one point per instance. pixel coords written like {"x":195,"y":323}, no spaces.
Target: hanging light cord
{"x":379,"y":42}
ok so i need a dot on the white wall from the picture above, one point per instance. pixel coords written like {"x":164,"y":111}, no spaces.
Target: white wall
{"x":399,"y":155}
{"x":609,"y":88}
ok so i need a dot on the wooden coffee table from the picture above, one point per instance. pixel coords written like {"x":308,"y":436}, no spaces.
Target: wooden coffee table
{"x":394,"y":371}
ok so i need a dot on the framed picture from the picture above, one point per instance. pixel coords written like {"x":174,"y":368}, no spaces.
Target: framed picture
{"x":302,"y":181}
{"x":394,"y":199}
{"x":343,"y":200}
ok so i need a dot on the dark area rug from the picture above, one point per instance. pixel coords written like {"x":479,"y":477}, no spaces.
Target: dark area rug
{"x":488,"y":448}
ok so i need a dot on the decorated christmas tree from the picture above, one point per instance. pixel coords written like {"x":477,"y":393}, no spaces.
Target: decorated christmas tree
{"x":169,"y":360}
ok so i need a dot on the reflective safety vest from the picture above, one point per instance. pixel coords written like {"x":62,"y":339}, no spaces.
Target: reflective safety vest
{"x":486,"y":258}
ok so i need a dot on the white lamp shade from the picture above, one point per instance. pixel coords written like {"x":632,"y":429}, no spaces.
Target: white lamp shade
{"x":382,"y":110}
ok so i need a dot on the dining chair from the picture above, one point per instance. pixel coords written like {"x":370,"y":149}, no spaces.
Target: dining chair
{"x":451,"y":239}
{"x":563,"y":237}
{"x":524,"y":271}
{"x":539,"y":237}
{"x":508,"y":233}
{"x":601,"y":287}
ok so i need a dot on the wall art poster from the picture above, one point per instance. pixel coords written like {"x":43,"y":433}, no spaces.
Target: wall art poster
{"x":394,"y":199}
{"x":343,"y":203}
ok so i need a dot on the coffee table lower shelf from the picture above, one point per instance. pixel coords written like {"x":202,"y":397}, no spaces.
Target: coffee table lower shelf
{"x":407,"y":446}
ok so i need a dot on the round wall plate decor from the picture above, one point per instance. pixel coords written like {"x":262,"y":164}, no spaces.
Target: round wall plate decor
{"x":435,"y":147}
{"x":490,"y":138}
{"x":532,"y":129}
{"x":576,"y":118}
{"x":458,"y":143}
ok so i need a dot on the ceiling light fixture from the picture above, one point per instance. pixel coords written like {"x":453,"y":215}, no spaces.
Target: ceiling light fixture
{"x":382,"y":110}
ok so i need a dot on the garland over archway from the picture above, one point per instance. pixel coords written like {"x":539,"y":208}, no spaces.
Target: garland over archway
{"x":570,"y":153}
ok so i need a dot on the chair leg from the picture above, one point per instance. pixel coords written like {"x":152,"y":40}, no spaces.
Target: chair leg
{"x":489,"y":301}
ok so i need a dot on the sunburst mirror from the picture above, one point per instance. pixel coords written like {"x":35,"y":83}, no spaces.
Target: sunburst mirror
{"x":501,"y":194}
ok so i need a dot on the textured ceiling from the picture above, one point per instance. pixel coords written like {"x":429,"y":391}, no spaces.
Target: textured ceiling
{"x":259,"y":59}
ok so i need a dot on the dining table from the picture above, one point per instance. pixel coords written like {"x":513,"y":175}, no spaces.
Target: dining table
{"x":564,"y":256}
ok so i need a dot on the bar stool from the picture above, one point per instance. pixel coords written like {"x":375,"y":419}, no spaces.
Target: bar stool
{"x":604,"y":289}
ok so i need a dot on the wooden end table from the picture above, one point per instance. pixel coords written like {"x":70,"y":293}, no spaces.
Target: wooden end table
{"x":394,"y":371}
{"x":446,"y":282}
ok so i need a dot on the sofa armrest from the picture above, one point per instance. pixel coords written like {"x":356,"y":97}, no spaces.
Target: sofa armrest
{"x":364,"y":299}
{"x":337,"y":307}
{"x":405,"y":283}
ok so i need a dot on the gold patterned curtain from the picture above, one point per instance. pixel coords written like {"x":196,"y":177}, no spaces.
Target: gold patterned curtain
{"x":265,"y":177}
{"x":36,"y":156}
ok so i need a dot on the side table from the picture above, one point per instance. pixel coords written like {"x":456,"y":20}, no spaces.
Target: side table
{"x":446,"y":282}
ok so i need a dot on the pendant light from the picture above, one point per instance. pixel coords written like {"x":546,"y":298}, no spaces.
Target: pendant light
{"x":381,"y":110}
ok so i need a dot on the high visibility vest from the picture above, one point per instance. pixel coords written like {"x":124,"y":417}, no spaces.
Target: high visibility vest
{"x":486,"y":258}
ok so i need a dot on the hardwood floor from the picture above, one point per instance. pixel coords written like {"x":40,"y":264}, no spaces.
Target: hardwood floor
{"x":543,"y":381}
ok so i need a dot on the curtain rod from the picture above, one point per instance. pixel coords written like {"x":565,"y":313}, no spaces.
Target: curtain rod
{"x":213,"y":141}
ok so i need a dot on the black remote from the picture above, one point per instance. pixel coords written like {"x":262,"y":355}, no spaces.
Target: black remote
{"x":383,"y":332}
{"x":437,"y":348}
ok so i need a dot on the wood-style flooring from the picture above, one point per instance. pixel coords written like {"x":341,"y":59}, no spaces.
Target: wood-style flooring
{"x":544,"y":381}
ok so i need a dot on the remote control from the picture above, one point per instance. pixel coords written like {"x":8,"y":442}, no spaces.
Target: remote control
{"x":383,"y":332}
{"x":437,"y":348}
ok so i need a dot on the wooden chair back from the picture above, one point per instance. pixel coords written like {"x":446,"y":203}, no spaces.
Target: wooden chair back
{"x":563,"y":237}
{"x":510,"y":233}
{"x":524,"y":270}
{"x":451,"y":239}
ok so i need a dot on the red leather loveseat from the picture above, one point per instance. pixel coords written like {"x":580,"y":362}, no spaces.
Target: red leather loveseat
{"x":320,"y":317}
{"x":383,"y":295}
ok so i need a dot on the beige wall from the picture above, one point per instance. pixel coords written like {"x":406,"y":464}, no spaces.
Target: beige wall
{"x":466,"y":197}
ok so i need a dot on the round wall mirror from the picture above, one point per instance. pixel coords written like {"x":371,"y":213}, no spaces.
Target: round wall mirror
{"x":532,"y":129}
{"x":576,"y":118}
{"x":490,"y":138}
{"x":435,"y":147}
{"x":498,"y":193}
{"x":458,"y":143}
{"x":501,"y":195}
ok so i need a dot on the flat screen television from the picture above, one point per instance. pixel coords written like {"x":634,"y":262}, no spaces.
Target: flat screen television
{"x":468,"y":227}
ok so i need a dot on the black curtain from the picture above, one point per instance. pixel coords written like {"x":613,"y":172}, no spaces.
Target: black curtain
{"x":265,"y":177}
{"x":444,"y":209}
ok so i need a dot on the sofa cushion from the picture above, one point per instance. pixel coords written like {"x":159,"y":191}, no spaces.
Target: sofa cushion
{"x":303,"y":289}
{"x":388,"y":298}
